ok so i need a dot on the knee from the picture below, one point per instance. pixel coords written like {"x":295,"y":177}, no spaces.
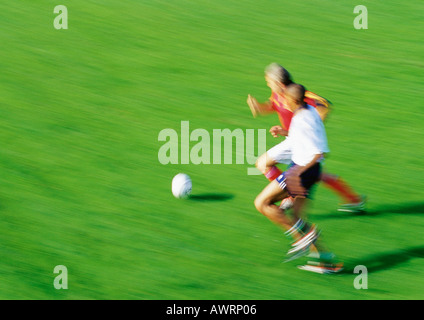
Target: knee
{"x":258,"y":164}
{"x":261,"y":163}
{"x":260,"y":204}
{"x":257,"y":203}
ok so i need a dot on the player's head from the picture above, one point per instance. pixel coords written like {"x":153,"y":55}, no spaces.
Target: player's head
{"x":277,"y":78}
{"x":295,"y":95}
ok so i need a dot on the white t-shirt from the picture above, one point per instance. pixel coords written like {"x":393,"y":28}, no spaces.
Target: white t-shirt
{"x":307,"y":136}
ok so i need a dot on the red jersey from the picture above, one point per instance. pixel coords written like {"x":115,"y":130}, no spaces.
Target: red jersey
{"x":285,"y":115}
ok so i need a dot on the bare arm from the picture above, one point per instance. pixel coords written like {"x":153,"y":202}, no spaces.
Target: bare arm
{"x":278,"y":131}
{"x":259,"y":108}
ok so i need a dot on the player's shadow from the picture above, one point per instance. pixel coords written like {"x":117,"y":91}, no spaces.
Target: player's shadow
{"x":387,"y":260}
{"x":212,"y":197}
{"x":400,"y":208}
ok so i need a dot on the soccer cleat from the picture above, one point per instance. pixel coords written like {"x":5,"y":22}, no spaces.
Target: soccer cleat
{"x":322,"y":268}
{"x":356,"y":207}
{"x":301,"y":247}
{"x":322,"y":256}
{"x":287,"y":203}
{"x":306,"y":241}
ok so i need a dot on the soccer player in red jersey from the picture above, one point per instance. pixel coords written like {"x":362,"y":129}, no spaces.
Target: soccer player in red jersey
{"x":278,"y":78}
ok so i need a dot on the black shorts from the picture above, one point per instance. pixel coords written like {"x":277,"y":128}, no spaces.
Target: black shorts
{"x":307,"y":178}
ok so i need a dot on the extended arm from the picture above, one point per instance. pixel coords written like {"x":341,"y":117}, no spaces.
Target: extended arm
{"x":259,"y":108}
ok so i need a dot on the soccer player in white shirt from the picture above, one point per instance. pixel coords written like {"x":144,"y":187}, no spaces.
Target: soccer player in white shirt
{"x":308,"y":141}
{"x":277,"y":79}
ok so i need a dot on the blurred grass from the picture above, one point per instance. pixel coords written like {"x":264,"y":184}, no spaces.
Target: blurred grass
{"x":81,"y":185}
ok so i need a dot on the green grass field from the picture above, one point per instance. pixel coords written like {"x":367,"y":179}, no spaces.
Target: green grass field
{"x":80,"y":180}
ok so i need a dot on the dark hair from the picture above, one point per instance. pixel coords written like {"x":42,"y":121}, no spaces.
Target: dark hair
{"x":286,"y":78}
{"x":297,"y":91}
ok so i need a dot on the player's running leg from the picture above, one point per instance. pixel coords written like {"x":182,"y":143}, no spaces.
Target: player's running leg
{"x":295,"y":230}
{"x":267,"y":164}
{"x":353,"y":202}
{"x":309,"y":233}
{"x":265,"y":204}
{"x":280,"y":153}
{"x":302,"y":234}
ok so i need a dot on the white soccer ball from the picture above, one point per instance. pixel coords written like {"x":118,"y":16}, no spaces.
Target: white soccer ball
{"x":181,"y":186}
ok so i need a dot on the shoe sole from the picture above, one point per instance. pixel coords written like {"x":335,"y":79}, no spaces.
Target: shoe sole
{"x":358,"y":208}
{"x":352,"y":210}
{"x":320,"y":270}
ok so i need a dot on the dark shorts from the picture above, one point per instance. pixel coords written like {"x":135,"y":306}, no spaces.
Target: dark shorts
{"x":308,"y":179}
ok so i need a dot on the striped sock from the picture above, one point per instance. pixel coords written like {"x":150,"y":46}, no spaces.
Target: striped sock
{"x":298,"y":228}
